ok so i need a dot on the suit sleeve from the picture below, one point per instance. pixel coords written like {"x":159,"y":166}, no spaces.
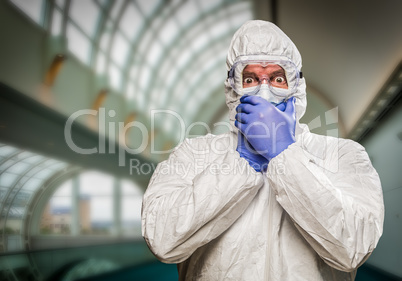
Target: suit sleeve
{"x":336,"y":203}
{"x":190,"y":202}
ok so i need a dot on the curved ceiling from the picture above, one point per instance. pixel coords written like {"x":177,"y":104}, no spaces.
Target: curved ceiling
{"x":156,"y":54}
{"x":170,"y":54}
{"x":22,"y":174}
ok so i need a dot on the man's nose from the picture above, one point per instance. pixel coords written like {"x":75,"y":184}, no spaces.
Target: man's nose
{"x":264,"y":80}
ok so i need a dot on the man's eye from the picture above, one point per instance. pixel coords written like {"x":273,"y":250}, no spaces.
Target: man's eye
{"x":248,"y":80}
{"x":280,"y":79}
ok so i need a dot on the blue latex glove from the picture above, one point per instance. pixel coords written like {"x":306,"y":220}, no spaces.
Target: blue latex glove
{"x":257,"y":161}
{"x":281,"y":106}
{"x":268,"y":129}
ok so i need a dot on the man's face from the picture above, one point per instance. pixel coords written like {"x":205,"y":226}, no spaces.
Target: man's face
{"x":255,"y":74}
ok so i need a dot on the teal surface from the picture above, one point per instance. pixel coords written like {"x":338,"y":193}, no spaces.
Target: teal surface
{"x":157,"y":271}
{"x":154,"y":271}
{"x":368,"y":273}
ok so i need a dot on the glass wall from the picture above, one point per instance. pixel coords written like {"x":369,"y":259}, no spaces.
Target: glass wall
{"x":22,"y":173}
{"x":86,"y":203}
{"x":96,"y":197}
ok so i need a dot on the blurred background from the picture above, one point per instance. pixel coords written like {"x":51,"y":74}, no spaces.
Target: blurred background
{"x":95,"y":93}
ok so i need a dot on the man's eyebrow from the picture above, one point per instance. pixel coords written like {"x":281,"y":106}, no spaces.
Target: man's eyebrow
{"x":279,"y":72}
{"x":249,"y":73}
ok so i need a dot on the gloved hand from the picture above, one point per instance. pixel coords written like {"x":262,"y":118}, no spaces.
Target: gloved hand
{"x":281,"y":106}
{"x":257,"y":161}
{"x":268,"y":129}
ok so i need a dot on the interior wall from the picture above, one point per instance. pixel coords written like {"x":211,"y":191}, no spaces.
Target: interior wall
{"x":21,"y":51}
{"x":321,"y":117}
{"x":384,"y":146}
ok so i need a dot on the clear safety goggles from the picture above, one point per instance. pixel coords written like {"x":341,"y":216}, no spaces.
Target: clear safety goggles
{"x":248,"y":73}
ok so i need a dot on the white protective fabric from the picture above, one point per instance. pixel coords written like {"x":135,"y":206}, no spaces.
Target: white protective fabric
{"x":317,"y":213}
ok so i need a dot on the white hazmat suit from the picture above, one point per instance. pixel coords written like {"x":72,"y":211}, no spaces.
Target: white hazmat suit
{"x":316,"y":214}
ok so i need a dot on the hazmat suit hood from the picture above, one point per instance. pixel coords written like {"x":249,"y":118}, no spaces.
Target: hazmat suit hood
{"x":259,"y":37}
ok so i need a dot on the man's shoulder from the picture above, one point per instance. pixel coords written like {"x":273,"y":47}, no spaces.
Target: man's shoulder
{"x":323,"y":139}
{"x":320,"y":143}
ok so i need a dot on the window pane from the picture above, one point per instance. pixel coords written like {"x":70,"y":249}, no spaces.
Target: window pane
{"x":131,"y":21}
{"x":105,"y":38}
{"x":131,"y":215}
{"x":84,"y":14}
{"x":58,"y":166}
{"x":32,"y":8}
{"x":200,"y":41}
{"x":7,"y":179}
{"x":60,"y":3}
{"x":119,"y":50}
{"x":183,"y":59}
{"x":56,"y":217}
{"x":116,"y":8}
{"x":96,"y":212}
{"x":242,"y":16}
{"x":45,"y":173}
{"x":145,"y":42}
{"x":13,"y":229}
{"x":24,"y":154}
{"x":145,"y":75}
{"x":148,"y":6}
{"x":154,"y":53}
{"x":129,"y":188}
{"x":187,"y":13}
{"x":3,"y":191}
{"x":103,"y":2}
{"x":207,"y":4}
{"x":64,"y":190}
{"x":140,"y":98}
{"x":130,"y":91}
{"x":115,"y":77}
{"x":34,"y":159}
{"x":100,"y":63}
{"x":168,"y":32}
{"x":32,"y":184}
{"x":131,"y":208}
{"x":101,"y":212}
{"x":21,"y":200}
{"x":78,"y":44}
{"x":240,"y":12}
{"x":220,"y":28}
{"x":96,"y":184}
{"x":57,"y":20}
{"x":33,"y":171}
{"x":7,"y":150}
{"x":19,"y":168}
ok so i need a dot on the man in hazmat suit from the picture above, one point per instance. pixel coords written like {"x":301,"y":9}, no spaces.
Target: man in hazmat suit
{"x":269,"y":200}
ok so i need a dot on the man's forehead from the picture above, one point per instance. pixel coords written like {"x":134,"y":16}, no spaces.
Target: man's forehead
{"x":263,"y":68}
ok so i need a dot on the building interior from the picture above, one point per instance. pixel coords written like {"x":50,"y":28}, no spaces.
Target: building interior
{"x":95,"y":93}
